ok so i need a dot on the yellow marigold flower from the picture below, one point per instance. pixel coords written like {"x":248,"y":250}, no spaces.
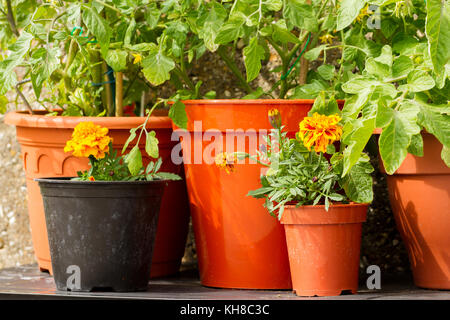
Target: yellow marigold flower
{"x":91,"y":178}
{"x":320,"y":131}
{"x":226,"y":161}
{"x":137,"y":58}
{"x":327,"y":38}
{"x":88,"y":139}
{"x":274,"y":118}
{"x":363,"y":13}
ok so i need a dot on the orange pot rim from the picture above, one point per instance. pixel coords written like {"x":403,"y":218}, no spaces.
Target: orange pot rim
{"x":40,"y":120}
{"x":240,"y":102}
{"x":337,"y":214}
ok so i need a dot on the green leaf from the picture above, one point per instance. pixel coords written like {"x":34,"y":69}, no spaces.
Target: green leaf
{"x":152,"y":15}
{"x":259,"y":193}
{"x":313,"y":54}
{"x":358,"y":184}
{"x":445,"y":155}
{"x":360,"y":134}
{"x":384,"y":115}
{"x":417,"y":81}
{"x":326,"y":71}
{"x":255,"y":94}
{"x":178,"y":114}
{"x":157,"y":67}
{"x":253,"y":54}
{"x":402,"y":66}
{"x":437,"y":29}
{"x":168,"y":176}
{"x":416,"y":145}
{"x":436,"y":123}
{"x":378,"y":69}
{"x":396,"y":137}
{"x":98,"y":27}
{"x":134,"y":161}
{"x":230,"y":31}
{"x":151,"y":145}
{"x":282,"y":34}
{"x":3,"y":104}
{"x":300,"y":14}
{"x":348,"y":11}
{"x":18,"y":50}
{"x":211,"y":23}
{"x":129,"y":33}
{"x":130,"y":138}
{"x":117,"y":59}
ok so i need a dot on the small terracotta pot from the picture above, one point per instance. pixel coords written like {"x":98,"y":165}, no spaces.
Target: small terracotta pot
{"x":42,"y":139}
{"x":239,"y":245}
{"x":419,"y":193}
{"x":324,"y":247}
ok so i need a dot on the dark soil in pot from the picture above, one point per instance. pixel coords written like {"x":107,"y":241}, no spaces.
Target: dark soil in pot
{"x":104,"y":231}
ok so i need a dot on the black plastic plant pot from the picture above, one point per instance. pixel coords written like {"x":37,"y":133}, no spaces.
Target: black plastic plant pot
{"x":101,"y":234}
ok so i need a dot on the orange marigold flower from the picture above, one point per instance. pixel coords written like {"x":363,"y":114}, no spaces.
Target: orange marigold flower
{"x":88,"y":139}
{"x":91,"y":178}
{"x":320,"y":131}
{"x":226,"y":161}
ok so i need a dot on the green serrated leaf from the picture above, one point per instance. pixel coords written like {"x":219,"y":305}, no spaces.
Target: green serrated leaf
{"x":134,"y":161}
{"x":178,"y":114}
{"x":151,"y":145}
{"x":253,"y":54}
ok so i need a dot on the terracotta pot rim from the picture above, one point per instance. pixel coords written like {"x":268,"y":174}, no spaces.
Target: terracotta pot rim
{"x":322,"y":206}
{"x":234,"y":102}
{"x":317,"y":215}
{"x":39,"y":120}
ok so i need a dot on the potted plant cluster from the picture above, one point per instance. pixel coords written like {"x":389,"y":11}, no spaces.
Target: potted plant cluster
{"x":403,"y":93}
{"x":383,"y":63}
{"x":81,"y":70}
{"x":103,"y":222}
{"x":321,"y":210}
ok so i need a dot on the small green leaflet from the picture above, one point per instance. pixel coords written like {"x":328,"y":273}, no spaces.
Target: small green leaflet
{"x":253,"y":54}
{"x":151,"y":145}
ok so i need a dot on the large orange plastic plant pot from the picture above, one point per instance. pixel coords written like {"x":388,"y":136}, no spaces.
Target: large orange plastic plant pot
{"x":239,"y":245}
{"x":42,"y":139}
{"x":419,"y":193}
{"x":324,"y":247}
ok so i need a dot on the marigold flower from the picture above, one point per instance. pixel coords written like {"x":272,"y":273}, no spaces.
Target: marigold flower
{"x":91,"y":178}
{"x":274,"y":118}
{"x":320,"y":131}
{"x":226,"y":161}
{"x":327,"y":38}
{"x":88,"y":139}
{"x":137,"y":58}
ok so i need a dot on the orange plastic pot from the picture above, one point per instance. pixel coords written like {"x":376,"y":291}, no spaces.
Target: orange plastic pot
{"x":239,"y":245}
{"x":42,"y":139}
{"x":324,"y":247}
{"x":420,"y":200}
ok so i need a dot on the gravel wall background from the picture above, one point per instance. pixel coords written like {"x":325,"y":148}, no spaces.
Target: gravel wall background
{"x":381,"y":243}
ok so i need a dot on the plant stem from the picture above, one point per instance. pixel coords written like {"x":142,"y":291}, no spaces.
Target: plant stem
{"x":119,"y":94}
{"x":11,"y":19}
{"x":233,"y":67}
{"x":108,"y":91}
{"x":185,"y":78}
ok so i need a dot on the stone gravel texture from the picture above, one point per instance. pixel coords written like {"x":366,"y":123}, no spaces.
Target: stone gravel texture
{"x":381,"y":243}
